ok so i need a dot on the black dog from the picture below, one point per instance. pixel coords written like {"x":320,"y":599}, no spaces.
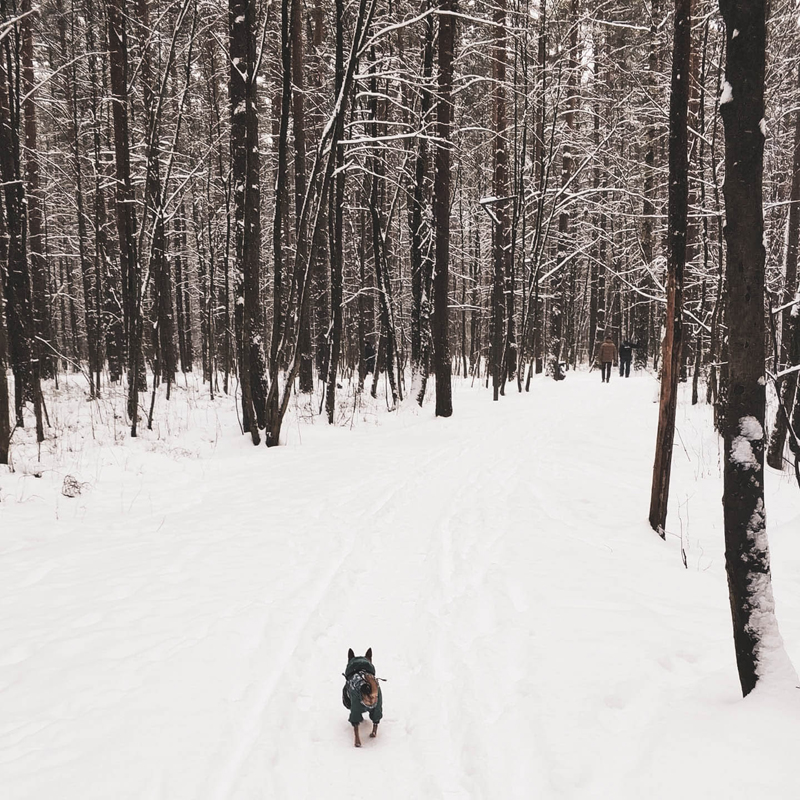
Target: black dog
{"x":361,"y":692}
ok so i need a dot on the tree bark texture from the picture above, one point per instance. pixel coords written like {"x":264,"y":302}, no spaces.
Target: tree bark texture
{"x":420,"y":255}
{"x":16,"y":275}
{"x":335,"y":223}
{"x":755,"y":631}
{"x":125,"y":204}
{"x":306,"y":374}
{"x":245,"y":174}
{"x":42,"y":343}
{"x":5,"y":406}
{"x":676,"y":237}
{"x":501,"y":239}
{"x":441,"y":211}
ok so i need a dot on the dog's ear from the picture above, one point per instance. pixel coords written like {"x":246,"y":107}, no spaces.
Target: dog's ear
{"x":350,"y":654}
{"x":368,"y":655}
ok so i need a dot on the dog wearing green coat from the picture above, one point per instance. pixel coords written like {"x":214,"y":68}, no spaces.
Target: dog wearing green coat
{"x":361,"y":692}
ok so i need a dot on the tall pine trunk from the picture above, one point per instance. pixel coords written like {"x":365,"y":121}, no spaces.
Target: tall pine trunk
{"x":126,"y":205}
{"x":16,"y":274}
{"x":676,"y":261}
{"x":421,"y":263}
{"x":336,"y":231}
{"x":5,"y":421}
{"x":42,"y":343}
{"x":501,"y":242}
{"x":306,"y":374}
{"x":759,"y":649}
{"x":245,"y":175}
{"x":441,"y":211}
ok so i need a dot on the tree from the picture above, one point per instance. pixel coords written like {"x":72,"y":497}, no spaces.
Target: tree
{"x":306,"y":374}
{"x":420,"y":254}
{"x":336,"y":231}
{"x":757,"y":642}
{"x":245,"y":174}
{"x":501,"y":232}
{"x":676,"y":237}
{"x":5,"y":422}
{"x":126,"y":206}
{"x":16,"y":274}
{"x":42,"y":344}
{"x":441,"y":210}
{"x":788,"y":386}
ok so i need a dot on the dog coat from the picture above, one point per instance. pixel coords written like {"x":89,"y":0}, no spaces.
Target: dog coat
{"x":357,"y":669}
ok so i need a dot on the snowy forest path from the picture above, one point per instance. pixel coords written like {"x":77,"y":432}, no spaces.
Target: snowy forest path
{"x":184,"y":638}
{"x":446,"y":537}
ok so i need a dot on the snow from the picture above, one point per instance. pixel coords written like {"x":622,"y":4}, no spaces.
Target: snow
{"x":750,"y":430}
{"x":178,"y":630}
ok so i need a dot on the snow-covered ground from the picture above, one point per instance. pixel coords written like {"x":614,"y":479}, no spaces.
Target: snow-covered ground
{"x":178,"y":631}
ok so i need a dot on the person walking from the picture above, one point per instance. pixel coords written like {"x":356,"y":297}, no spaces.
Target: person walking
{"x":625,"y":357}
{"x":606,"y":355}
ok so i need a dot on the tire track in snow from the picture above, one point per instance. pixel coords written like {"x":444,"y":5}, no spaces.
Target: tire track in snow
{"x":252,"y":723}
{"x":463,"y":610}
{"x":376,"y":531}
{"x":251,"y":727}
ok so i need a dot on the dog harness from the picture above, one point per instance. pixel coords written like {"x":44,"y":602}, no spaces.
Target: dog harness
{"x":355,"y":687}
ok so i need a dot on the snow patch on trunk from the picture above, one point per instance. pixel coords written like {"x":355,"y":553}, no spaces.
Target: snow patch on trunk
{"x":750,"y":431}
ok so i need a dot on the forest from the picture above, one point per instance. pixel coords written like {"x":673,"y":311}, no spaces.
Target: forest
{"x":285,"y":198}
{"x":396,"y":244}
{"x":480,"y":190}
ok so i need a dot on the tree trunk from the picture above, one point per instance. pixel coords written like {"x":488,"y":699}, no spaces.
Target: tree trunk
{"x":108,"y":325}
{"x":376,"y":205}
{"x":306,"y":374}
{"x":42,"y":344}
{"x":757,"y":642}
{"x":5,"y":422}
{"x":441,"y":211}
{"x":642,"y":311}
{"x":501,"y":242}
{"x":309,"y":223}
{"x":336,"y":231}
{"x":676,"y":234}
{"x":17,"y":277}
{"x":279,"y":313}
{"x":126,"y":205}
{"x":421,"y":264}
{"x":245,"y":175}
{"x":558,"y":324}
{"x":88,"y":272}
{"x":788,"y":386}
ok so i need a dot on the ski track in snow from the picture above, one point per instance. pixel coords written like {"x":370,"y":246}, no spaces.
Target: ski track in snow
{"x":182,"y":635}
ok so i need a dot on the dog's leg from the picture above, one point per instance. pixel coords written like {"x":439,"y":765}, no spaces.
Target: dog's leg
{"x":374,"y":730}
{"x":358,"y":738}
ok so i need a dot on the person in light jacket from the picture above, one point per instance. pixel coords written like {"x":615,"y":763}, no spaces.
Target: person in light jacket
{"x":606,"y":355}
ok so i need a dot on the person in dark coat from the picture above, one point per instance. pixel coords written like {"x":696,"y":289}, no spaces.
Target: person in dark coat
{"x":606,"y":355}
{"x":625,"y":357}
